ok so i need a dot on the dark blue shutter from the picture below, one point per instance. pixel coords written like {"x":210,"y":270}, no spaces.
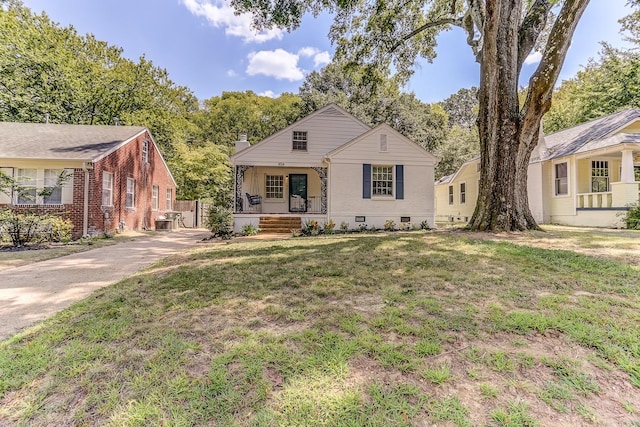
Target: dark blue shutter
{"x":399,"y":181}
{"x":366,"y":181}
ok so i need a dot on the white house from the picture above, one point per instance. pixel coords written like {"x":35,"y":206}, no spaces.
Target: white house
{"x":587,"y":175}
{"x":331,"y":166}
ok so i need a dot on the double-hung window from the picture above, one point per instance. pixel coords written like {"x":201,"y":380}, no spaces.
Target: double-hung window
{"x":463,"y":193}
{"x":107,"y":189}
{"x":382,"y":180}
{"x":451,"y":194}
{"x":26,"y":191}
{"x":299,"y":142}
{"x":599,"y":176}
{"x":155,"y":192}
{"x":53,"y":186}
{"x":561,"y":184}
{"x":274,"y":187}
{"x":169,"y":199}
{"x":131,"y":193}
{"x":145,"y":151}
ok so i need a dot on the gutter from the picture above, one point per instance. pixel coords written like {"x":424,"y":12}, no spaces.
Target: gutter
{"x":86,"y":166}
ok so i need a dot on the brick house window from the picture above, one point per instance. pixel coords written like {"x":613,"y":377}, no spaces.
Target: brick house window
{"x":145,"y":151}
{"x":155,"y":195}
{"x":107,"y":189}
{"x":53,"y":186}
{"x":26,"y":191}
{"x":169,"y":199}
{"x":299,"y":141}
{"x":382,"y":180}
{"x":131,"y":193}
{"x":274,"y":187}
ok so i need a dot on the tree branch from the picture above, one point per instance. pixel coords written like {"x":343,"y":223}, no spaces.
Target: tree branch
{"x":532,"y":25}
{"x":439,"y":22}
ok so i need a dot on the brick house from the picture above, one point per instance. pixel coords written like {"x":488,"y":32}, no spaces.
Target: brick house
{"x":114,"y":176}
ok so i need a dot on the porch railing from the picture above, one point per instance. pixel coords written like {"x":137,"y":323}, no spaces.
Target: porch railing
{"x":313,"y":205}
{"x":595,"y":200}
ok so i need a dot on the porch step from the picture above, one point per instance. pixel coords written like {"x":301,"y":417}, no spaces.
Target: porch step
{"x":279,"y":224}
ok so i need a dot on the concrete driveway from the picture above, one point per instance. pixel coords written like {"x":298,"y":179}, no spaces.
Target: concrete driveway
{"x":34,"y":292}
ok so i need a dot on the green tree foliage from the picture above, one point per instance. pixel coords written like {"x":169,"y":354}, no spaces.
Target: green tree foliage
{"x":462,"y":144}
{"x":374,"y":98}
{"x":462,"y":107}
{"x":223,"y":118}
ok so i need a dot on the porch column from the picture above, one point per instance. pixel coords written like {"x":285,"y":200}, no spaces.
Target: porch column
{"x":240,"y":170}
{"x":322,"y":173}
{"x":627,"y":174}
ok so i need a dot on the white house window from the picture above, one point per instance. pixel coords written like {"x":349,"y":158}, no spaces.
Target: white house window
{"x":451,"y":194}
{"x":169,"y":199}
{"x":107,"y":189}
{"x":636,"y":171}
{"x":274,"y":187}
{"x":155,"y":194}
{"x":26,"y":181}
{"x":145,"y":151}
{"x":299,"y":141}
{"x":382,"y":180}
{"x":561,"y":179}
{"x":53,"y":186}
{"x":599,"y":176}
{"x":383,"y":143}
{"x":131,"y":193}
{"x":463,"y":193}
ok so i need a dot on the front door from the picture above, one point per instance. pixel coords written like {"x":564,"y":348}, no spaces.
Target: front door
{"x":297,"y":192}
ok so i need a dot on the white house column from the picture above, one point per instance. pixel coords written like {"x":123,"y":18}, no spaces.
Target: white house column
{"x":627,"y":174}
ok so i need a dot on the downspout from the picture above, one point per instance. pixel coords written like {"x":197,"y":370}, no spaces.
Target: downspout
{"x":85,"y":212}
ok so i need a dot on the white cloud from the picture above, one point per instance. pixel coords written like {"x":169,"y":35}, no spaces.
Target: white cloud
{"x":221,"y":15}
{"x":534,"y":58}
{"x":322,"y":58}
{"x":277,"y":63}
{"x":308,"y":51}
{"x":231,"y":73}
{"x":268,"y":93}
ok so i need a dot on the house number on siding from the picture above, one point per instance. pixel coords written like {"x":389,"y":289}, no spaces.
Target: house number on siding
{"x":280,"y":163}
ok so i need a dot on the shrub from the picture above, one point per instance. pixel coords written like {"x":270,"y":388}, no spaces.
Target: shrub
{"x":249,"y":230}
{"x":59,"y":229}
{"x":344,"y":226}
{"x":310,"y":228}
{"x":329,"y":227}
{"x":28,"y":228}
{"x":632,"y":218}
{"x":220,"y":222}
{"x":389,"y":225}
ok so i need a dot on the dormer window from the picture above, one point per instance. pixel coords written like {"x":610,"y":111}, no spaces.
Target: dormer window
{"x":299,"y":141}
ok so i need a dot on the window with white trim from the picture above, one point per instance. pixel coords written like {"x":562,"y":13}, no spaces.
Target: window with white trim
{"x":155,"y":195}
{"x":107,"y":189}
{"x":561,"y":180}
{"x":145,"y":151}
{"x":382,"y":180}
{"x":131,"y":193}
{"x":53,"y":186}
{"x":599,"y":176}
{"x":451,"y":194}
{"x":299,"y":142}
{"x":383,"y":143}
{"x":463,"y":193}
{"x":26,"y":186}
{"x":169,"y":199}
{"x":274,"y":187}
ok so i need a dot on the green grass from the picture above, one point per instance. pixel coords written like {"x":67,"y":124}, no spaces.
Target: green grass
{"x":403,"y":329}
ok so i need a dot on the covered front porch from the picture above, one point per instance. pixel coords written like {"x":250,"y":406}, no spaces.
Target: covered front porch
{"x":279,"y":192}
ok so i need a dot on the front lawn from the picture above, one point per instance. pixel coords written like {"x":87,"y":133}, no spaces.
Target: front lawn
{"x":435,"y":328}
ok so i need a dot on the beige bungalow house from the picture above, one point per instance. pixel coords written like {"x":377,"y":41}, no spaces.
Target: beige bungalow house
{"x":587,"y":175}
{"x":329,"y":166}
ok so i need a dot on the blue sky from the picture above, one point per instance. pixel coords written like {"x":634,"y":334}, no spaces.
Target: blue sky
{"x":205,"y":47}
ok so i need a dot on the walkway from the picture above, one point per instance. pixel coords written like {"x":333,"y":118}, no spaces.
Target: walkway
{"x":34,"y":292}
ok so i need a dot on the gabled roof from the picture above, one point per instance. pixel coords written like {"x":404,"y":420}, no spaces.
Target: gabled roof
{"x":383,"y":126}
{"x":327,"y":110}
{"x":450,"y":178}
{"x":592,"y":135}
{"x":62,"y":141}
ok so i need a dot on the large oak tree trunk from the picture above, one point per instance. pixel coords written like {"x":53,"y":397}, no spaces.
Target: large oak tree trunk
{"x":508,"y":132}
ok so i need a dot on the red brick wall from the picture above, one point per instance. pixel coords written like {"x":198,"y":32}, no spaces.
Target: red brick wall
{"x":125,"y":163}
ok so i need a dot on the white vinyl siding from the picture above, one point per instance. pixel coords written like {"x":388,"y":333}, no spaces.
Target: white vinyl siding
{"x":107,"y":189}
{"x":131,"y":193}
